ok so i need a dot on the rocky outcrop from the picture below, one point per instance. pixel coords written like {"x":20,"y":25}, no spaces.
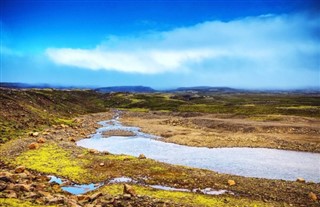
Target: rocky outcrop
{"x":21,"y":184}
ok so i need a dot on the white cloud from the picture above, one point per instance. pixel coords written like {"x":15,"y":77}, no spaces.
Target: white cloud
{"x":268,"y":43}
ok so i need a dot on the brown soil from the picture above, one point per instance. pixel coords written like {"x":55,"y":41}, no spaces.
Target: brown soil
{"x":117,"y":133}
{"x":209,"y":130}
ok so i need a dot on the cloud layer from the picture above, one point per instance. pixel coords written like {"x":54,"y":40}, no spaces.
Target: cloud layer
{"x":266,"y":43}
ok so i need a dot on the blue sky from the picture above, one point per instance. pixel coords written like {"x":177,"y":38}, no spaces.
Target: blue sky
{"x":162,"y":44}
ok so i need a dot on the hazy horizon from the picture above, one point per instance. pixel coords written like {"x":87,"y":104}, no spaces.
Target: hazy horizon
{"x":317,"y":88}
{"x":251,"y":44}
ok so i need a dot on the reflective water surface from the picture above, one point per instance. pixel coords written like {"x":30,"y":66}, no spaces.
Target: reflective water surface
{"x":75,"y":188}
{"x":251,"y":162}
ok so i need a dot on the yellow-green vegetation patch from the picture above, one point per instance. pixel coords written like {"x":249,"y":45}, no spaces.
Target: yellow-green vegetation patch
{"x":64,"y":121}
{"x":249,"y":105}
{"x":299,"y":107}
{"x":189,"y":198}
{"x":157,"y":169}
{"x":135,"y":100}
{"x":52,"y":159}
{"x":12,"y":202}
{"x":134,"y":109}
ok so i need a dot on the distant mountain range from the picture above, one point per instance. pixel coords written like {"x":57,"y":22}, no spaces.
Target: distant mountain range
{"x":129,"y":89}
{"x":144,"y":89}
{"x":207,"y":89}
{"x":37,"y":86}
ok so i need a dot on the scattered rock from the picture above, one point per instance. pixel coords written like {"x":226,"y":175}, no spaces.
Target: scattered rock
{"x":43,"y":178}
{"x":45,"y":194}
{"x":72,"y":139}
{"x":3,"y":186}
{"x":128,"y":189}
{"x":83,"y":198}
{"x":10,"y":194}
{"x":55,"y":201}
{"x":32,"y":195}
{"x":313,"y":196}
{"x":142,"y":156}
{"x":40,"y":186}
{"x":6,"y":177}
{"x":231,"y":182}
{"x":41,"y":140}
{"x":301,"y":180}
{"x":95,"y":196}
{"x":22,"y":187}
{"x":127,"y":196}
{"x":33,"y":145}
{"x":24,"y":176}
{"x":64,"y":126}
{"x":72,"y":203}
{"x":19,"y":169}
{"x":93,"y":151}
{"x":10,"y":186}
{"x":34,"y":134}
{"x":56,"y":188}
{"x":101,"y":164}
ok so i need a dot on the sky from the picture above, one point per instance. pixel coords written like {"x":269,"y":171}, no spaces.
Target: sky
{"x":250,"y":44}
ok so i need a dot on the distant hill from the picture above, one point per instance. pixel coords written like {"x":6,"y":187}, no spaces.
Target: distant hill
{"x":207,"y":89}
{"x":201,"y":90}
{"x":130,"y":89}
{"x":23,"y":85}
{"x":37,"y":86}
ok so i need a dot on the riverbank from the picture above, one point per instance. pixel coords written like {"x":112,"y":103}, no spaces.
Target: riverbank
{"x":59,"y":156}
{"x":227,"y":130}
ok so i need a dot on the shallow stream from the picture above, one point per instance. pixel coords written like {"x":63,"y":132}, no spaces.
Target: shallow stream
{"x":250,"y":162}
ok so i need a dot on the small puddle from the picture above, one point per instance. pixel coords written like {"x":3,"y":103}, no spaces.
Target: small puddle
{"x":82,"y":189}
{"x":74,"y":188}
{"x":250,"y":162}
{"x":161,"y":187}
{"x":122,"y":180}
{"x":210,"y":191}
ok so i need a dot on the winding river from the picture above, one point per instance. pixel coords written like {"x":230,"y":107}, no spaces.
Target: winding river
{"x":249,"y":162}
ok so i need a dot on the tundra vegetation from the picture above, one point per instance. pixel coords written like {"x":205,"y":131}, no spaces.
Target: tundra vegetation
{"x":52,"y":120}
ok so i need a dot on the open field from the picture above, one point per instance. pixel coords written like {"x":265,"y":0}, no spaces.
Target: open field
{"x":285,"y":121}
{"x":227,"y":130}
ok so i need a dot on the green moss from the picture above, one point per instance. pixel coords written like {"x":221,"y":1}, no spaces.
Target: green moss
{"x":134,"y":109}
{"x":52,"y":159}
{"x":300,"y":107}
{"x":69,"y":122}
{"x":157,"y":169}
{"x":135,"y":100}
{"x":12,"y":202}
{"x":189,"y":198}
